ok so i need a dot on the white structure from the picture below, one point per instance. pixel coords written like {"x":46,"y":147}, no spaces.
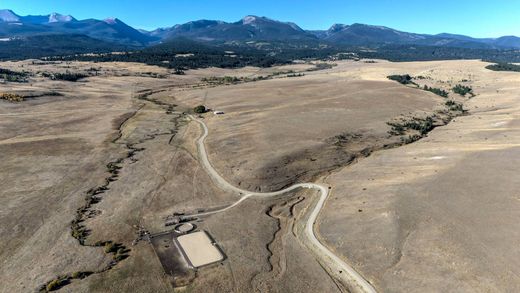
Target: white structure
{"x":218,"y":112}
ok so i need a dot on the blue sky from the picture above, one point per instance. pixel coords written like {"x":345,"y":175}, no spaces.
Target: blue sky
{"x":477,"y":18}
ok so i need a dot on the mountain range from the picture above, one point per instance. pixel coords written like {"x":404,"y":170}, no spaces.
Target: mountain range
{"x":110,"y":29}
{"x":249,"y":28}
{"x":262,"y":28}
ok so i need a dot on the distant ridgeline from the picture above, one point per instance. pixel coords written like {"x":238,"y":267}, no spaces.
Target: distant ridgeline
{"x":253,"y":40}
{"x":188,"y":54}
{"x":54,"y":45}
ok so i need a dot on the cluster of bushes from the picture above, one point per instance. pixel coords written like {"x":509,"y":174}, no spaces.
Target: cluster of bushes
{"x":410,"y":138}
{"x":422,"y":125}
{"x":276,"y":73}
{"x":113,"y":168}
{"x":200,"y":109}
{"x":344,"y":138}
{"x":56,"y":284}
{"x":118,"y":250}
{"x":222,"y":80}
{"x":402,"y":79}
{"x":504,"y":67}
{"x":321,"y":66}
{"x":437,"y":91}
{"x":150,"y":74}
{"x":218,"y":80}
{"x":407,"y":79}
{"x":78,"y":231}
{"x":80,"y":275}
{"x":14,"y":98}
{"x":462,"y":90}
{"x":43,"y":94}
{"x":397,"y":128}
{"x":178,"y":71}
{"x":454,"y":106}
{"x":61,"y":281}
{"x":422,"y":77}
{"x":67,"y":76}
{"x":288,"y":73}
{"x":295,"y":74}
{"x":13,"y":76}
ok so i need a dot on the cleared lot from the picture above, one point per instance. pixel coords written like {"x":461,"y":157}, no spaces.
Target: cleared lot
{"x":200,"y":249}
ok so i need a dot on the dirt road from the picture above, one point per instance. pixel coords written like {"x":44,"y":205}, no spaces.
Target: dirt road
{"x":336,"y":265}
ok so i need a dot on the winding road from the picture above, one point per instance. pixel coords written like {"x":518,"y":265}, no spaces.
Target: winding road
{"x":336,"y":265}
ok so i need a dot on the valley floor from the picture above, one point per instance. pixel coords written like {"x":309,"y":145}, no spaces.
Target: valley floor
{"x":435,"y":215}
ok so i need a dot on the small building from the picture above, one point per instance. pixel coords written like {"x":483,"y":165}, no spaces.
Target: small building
{"x":218,"y":112}
{"x":170,"y":221}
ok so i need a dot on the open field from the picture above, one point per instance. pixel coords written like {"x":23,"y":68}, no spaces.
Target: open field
{"x":278,"y":131}
{"x":116,"y":153}
{"x":55,"y":149}
{"x":438,"y":215}
{"x":98,"y":131}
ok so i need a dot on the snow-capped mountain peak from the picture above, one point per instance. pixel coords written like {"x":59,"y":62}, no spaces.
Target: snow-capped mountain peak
{"x":56,"y":17}
{"x":7,"y":15}
{"x":111,"y":20}
{"x":249,"y":19}
{"x":337,"y":27}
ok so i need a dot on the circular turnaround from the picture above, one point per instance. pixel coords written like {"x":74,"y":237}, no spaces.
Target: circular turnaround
{"x":184,"y":228}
